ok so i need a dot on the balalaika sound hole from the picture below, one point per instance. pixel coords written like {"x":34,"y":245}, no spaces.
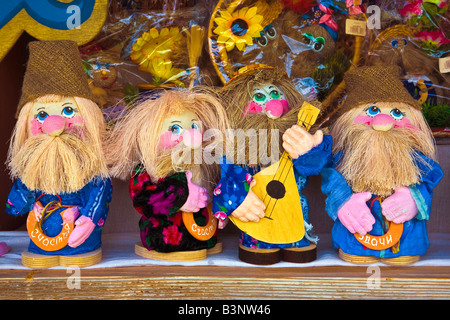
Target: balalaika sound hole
{"x":275,"y":189}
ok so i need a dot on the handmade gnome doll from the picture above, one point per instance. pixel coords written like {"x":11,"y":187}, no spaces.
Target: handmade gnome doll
{"x":380,"y":183}
{"x":56,"y":154}
{"x":268,"y":207}
{"x":160,"y":144}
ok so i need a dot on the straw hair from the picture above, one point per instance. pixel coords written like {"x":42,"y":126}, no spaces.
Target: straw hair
{"x":238,"y":92}
{"x":54,"y":67}
{"x":58,"y":164}
{"x":378,"y":161}
{"x":135,"y":139}
{"x":371,"y":84}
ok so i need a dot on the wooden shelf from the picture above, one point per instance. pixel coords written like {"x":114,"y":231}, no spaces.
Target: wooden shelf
{"x":223,"y":283}
{"x":122,"y":275}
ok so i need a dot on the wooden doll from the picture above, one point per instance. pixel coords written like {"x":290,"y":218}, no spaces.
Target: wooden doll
{"x":261,"y":100}
{"x":380,"y":183}
{"x":160,"y":143}
{"x":56,"y":154}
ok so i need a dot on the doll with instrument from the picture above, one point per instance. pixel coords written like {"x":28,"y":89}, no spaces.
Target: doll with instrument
{"x":258,"y":193}
{"x":160,"y":144}
{"x":380,"y":183}
{"x":57,"y":156}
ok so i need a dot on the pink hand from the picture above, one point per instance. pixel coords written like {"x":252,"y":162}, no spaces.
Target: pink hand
{"x":197,"y":198}
{"x":83,"y":229}
{"x":400,"y":206}
{"x":37,"y":209}
{"x":355,"y":215}
{"x":70,"y":214}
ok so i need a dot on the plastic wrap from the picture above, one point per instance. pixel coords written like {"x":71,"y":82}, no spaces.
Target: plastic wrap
{"x":151,"y":45}
{"x":146,"y":46}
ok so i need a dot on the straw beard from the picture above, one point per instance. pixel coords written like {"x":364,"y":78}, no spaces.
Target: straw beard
{"x":263,"y":134}
{"x":56,"y":165}
{"x":378,"y":161}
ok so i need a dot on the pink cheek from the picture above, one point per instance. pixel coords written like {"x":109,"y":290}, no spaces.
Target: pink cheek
{"x":252,"y":107}
{"x":405,"y":123}
{"x":285,"y":106}
{"x":363,"y":119}
{"x":77,"y":120}
{"x":36,"y":127}
{"x":169,"y":140}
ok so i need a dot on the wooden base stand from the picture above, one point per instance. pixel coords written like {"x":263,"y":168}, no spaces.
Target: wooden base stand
{"x":404,"y":260}
{"x":300,"y":255}
{"x":42,"y":261}
{"x":177,"y":256}
{"x":272,"y":256}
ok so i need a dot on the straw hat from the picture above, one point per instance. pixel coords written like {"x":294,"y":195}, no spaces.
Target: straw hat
{"x":375,"y":84}
{"x":54,"y":67}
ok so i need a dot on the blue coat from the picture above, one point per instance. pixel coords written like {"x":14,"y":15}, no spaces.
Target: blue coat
{"x":92,"y":201}
{"x":414,"y":240}
{"x":234,"y":185}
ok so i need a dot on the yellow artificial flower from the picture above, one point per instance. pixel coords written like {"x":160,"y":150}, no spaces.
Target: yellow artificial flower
{"x":164,"y":72}
{"x":154,"y":44}
{"x":238,"y":28}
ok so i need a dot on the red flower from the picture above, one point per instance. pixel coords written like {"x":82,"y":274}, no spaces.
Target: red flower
{"x":299,"y":6}
{"x":435,"y":37}
{"x":172,"y":236}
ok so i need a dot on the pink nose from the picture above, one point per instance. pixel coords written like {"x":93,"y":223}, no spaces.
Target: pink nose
{"x":192,"y":138}
{"x":276,"y":108}
{"x":54,"y":125}
{"x":382,"y":122}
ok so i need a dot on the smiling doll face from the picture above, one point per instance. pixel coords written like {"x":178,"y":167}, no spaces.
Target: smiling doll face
{"x":184,"y":127}
{"x":53,"y":117}
{"x":384,"y":116}
{"x":267,"y":99}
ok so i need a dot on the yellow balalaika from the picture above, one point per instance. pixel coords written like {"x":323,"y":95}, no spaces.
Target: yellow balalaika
{"x":277,"y":188}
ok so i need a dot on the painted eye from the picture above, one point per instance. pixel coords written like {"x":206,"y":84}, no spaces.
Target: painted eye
{"x":394,"y":43}
{"x":271,"y":32}
{"x":319,"y":43}
{"x":41,"y":116}
{"x":318,"y":46}
{"x":176,"y":129}
{"x":308,"y":38}
{"x":396,"y":114}
{"x":262,"y":41}
{"x":259,"y":97}
{"x":68,"y":112}
{"x":275,"y":94}
{"x":194,"y":126}
{"x":405,"y":42}
{"x":372,"y":111}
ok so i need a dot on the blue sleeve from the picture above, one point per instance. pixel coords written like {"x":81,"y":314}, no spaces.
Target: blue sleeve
{"x":231,"y":189}
{"x":20,"y":199}
{"x":422,"y":193}
{"x":336,"y":189}
{"x":312,"y":162}
{"x":97,"y":205}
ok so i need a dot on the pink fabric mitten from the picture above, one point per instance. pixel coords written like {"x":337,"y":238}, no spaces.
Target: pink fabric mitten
{"x":197,"y":198}
{"x":355,"y":214}
{"x":400,"y":206}
{"x":83,"y":229}
{"x":38,"y":209}
{"x":70,"y":214}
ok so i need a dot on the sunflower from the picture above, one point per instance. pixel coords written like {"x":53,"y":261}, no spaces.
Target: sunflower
{"x":238,"y":28}
{"x":155,"y":44}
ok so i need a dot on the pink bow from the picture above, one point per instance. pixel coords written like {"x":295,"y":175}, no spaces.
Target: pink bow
{"x":352,"y":8}
{"x":327,"y":18}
